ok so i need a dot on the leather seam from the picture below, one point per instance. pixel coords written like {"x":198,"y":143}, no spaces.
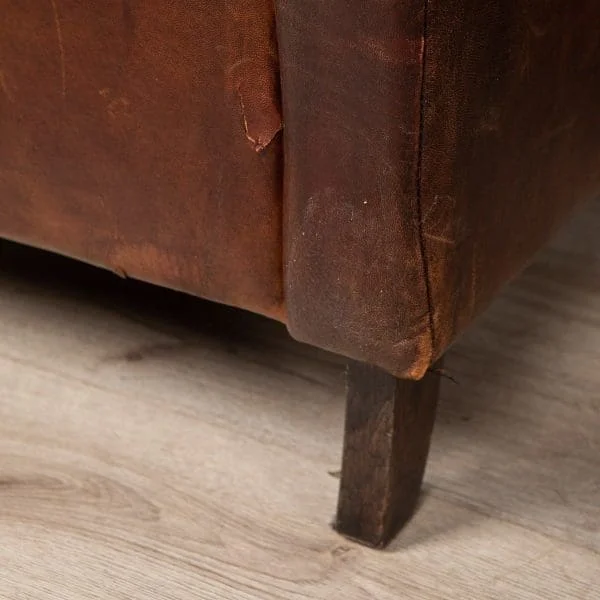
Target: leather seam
{"x":419,"y":185}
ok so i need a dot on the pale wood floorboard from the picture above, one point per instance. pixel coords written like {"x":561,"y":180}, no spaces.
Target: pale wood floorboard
{"x":157,"y":447}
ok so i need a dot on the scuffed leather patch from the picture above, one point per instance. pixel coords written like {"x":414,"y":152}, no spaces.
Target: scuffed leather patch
{"x":354,"y":275}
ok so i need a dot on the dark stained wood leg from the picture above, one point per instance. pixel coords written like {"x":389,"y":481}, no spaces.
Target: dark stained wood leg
{"x":389,"y":422}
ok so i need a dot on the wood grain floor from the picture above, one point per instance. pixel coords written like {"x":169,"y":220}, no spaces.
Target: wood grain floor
{"x":155,"y":446}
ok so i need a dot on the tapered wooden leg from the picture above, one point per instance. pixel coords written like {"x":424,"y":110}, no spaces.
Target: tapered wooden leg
{"x":389,"y":422}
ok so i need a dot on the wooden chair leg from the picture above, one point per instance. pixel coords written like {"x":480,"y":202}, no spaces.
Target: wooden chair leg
{"x":389,"y":422}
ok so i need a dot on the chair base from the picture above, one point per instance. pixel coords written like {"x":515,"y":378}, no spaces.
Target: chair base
{"x":388,"y":430}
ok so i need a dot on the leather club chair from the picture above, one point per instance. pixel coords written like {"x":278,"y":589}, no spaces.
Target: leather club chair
{"x":369,"y":173}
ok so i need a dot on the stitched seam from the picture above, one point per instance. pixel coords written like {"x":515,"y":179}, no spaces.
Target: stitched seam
{"x":419,"y":182}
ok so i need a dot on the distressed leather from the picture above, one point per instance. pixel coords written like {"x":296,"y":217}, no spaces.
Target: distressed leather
{"x":354,"y":269}
{"x":511,"y":142}
{"x":143,"y":136}
{"x":429,"y":152}
{"x":369,"y":173}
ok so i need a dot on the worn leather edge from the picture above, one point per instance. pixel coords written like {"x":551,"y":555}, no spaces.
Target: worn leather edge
{"x":427,"y":274}
{"x":511,"y":132}
{"x":355,"y":276}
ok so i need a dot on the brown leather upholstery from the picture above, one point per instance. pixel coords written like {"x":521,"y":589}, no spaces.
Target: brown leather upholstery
{"x":511,"y":142}
{"x":354,"y":270}
{"x":143,"y":136}
{"x":429,"y":153}
{"x":429,"y":148}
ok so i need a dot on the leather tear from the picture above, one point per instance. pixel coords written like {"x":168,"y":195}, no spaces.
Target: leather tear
{"x":252,"y":71}
{"x":261,"y":122}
